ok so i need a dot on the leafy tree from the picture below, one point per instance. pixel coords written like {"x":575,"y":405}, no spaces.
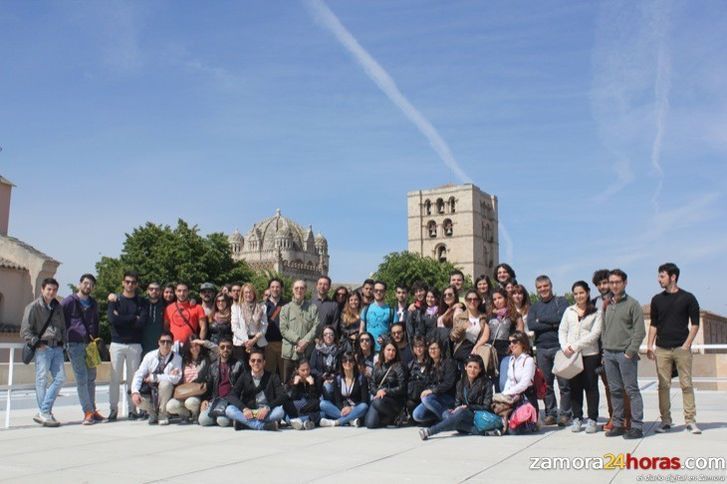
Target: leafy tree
{"x":165,"y":254}
{"x":407,"y":267}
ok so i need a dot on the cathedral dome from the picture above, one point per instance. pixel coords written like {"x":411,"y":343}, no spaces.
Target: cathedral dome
{"x":280,"y":228}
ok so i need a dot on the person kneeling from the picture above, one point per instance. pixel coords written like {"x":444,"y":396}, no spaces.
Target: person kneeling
{"x":257,"y":399}
{"x":350,"y":396}
{"x":154,"y":381}
{"x":474,"y":394}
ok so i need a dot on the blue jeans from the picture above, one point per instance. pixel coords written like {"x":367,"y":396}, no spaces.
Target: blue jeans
{"x":85,"y":376}
{"x":432,"y":407}
{"x":329,"y":410}
{"x":461,"y":420}
{"x":48,"y":360}
{"x":234,"y":413}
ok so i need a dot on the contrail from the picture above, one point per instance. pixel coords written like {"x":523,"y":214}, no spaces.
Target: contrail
{"x":662,"y":85}
{"x":382,"y":79}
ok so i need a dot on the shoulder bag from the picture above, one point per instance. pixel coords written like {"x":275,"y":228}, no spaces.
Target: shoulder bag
{"x":28,"y":349}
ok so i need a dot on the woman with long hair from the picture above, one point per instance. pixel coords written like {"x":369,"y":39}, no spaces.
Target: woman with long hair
{"x":195,"y":369}
{"x":168,"y":294}
{"x":439,"y":393}
{"x":450,"y":308}
{"x":417,"y":371}
{"x":350,"y":321}
{"x":341,"y":296}
{"x":387,"y":387}
{"x":521,"y":299}
{"x":365,"y":354}
{"x":249,"y":323}
{"x":483,"y":286}
{"x":324,"y":360}
{"x":350,"y":396}
{"x":474,"y":393}
{"x":504,"y":321}
{"x":304,"y":392}
{"x":579,"y":332}
{"x":219,"y":325}
{"x":519,"y":385}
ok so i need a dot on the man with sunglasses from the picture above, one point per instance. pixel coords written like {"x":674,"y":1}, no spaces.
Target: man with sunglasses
{"x":154,"y":381}
{"x":378,"y":316}
{"x":257,"y":399}
{"x":127,"y":317}
{"x":223,"y":374}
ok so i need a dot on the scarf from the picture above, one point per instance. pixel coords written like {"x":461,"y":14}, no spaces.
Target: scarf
{"x":252,"y":313}
{"x":432,"y":311}
{"x":500,"y":313}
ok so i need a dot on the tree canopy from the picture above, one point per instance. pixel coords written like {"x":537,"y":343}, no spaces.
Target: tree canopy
{"x":407,"y":267}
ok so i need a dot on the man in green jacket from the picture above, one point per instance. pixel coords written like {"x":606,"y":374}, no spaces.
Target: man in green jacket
{"x":623,"y":332}
{"x":298,"y":321}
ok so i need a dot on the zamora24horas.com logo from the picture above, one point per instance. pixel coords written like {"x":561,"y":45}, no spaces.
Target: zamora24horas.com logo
{"x":629,"y":462}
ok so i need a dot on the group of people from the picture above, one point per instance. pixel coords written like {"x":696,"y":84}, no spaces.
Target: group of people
{"x":475,"y":360}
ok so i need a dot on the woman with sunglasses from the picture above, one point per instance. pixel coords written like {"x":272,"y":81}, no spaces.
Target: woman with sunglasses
{"x":387,"y":387}
{"x":350,"y":396}
{"x":474,"y":393}
{"x":341,"y":296}
{"x":324,"y":360}
{"x":219,"y":325}
{"x":195,"y":369}
{"x":451,"y":308}
{"x":520,"y":372}
{"x":350,"y":321}
{"x":438,"y":395}
{"x":365,"y":354}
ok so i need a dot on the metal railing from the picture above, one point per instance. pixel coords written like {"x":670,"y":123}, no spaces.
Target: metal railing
{"x":11,"y":347}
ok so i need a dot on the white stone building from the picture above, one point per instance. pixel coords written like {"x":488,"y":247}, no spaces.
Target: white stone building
{"x":279,"y":244}
{"x":456,"y":223}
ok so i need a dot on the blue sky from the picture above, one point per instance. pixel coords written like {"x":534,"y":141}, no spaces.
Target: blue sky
{"x":601,"y":127}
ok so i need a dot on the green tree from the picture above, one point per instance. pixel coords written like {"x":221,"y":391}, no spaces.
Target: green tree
{"x":407,"y":267}
{"x":165,"y":254}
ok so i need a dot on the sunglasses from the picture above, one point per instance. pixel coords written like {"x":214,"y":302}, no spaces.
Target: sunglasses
{"x":397,"y":332}
{"x":474,"y":299}
{"x":346,"y":361}
{"x":165,"y":342}
{"x":513,"y":342}
{"x":448,"y":294}
{"x":225,"y":347}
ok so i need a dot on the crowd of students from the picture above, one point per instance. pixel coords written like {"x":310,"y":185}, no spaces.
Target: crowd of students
{"x":473,"y":360}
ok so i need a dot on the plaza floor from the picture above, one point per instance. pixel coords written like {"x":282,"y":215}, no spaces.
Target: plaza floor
{"x":136,"y":452}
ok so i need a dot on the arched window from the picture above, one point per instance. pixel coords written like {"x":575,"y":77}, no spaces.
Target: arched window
{"x":440,"y":205}
{"x":432,"y":228}
{"x":428,"y":207}
{"x":452,"y":204}
{"x":447,"y":227}
{"x":440,"y":253}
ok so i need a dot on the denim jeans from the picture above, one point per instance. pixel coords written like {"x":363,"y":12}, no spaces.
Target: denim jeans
{"x":432,"y":407}
{"x":545,"y":358}
{"x":85,"y":376}
{"x":48,"y":360}
{"x":234,"y":413}
{"x":461,"y":420}
{"x":622,"y":376}
{"x":329,"y":410}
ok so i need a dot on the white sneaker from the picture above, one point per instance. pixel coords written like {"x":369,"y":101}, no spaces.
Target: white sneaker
{"x":38,"y":418}
{"x":47,"y":420}
{"x":576,"y":425}
{"x":692,"y":427}
{"x":163,"y":421}
{"x":591,"y":426}
{"x":309,"y":425}
{"x":356,"y":422}
{"x":296,"y":423}
{"x":326,"y":422}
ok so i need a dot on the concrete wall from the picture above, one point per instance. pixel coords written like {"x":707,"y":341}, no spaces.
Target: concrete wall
{"x":16,"y":292}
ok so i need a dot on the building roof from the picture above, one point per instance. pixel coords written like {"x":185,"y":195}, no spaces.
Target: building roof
{"x":7,"y":264}
{"x":29,"y":248}
{"x":5,"y":181}
{"x":267,"y":230}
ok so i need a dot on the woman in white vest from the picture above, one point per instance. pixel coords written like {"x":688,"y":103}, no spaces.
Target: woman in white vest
{"x":249,"y":323}
{"x":579,"y":332}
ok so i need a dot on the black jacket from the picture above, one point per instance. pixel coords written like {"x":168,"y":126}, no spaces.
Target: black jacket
{"x":244,"y":391}
{"x":321,"y":365}
{"x":442,"y":379}
{"x":394,"y":383}
{"x":128,"y":322}
{"x":311,"y":393}
{"x":479,"y":394}
{"x":417,"y":382}
{"x":213,"y":375}
{"x":359,"y":393}
{"x":421,"y":324}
